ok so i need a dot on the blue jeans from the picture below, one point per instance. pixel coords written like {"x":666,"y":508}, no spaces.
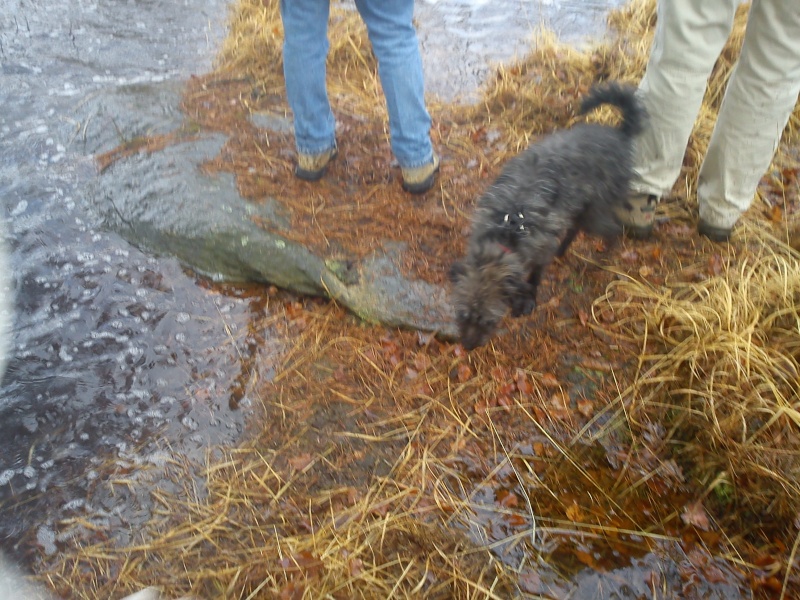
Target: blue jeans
{"x":394,"y":41}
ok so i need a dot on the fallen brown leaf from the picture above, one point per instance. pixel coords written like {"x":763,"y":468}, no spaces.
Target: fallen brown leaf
{"x":301,"y":461}
{"x":586,"y":407}
{"x":463,"y":373}
{"x":574,"y":513}
{"x":695,"y":514}
{"x":549,"y":380}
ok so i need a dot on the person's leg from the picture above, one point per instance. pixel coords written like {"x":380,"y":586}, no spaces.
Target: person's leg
{"x":759,"y":99}
{"x":305,"y":51}
{"x":688,"y":39}
{"x":394,"y":41}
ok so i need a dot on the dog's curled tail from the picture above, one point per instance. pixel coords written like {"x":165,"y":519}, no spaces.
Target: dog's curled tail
{"x":623,"y":97}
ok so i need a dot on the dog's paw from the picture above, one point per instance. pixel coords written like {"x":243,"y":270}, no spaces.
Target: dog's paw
{"x":457,"y":271}
{"x":520,"y":297}
{"x":522,"y":306}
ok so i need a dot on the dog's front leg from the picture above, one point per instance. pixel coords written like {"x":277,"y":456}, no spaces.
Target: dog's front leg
{"x":522,"y":304}
{"x":571,"y":233}
{"x":523,"y":300}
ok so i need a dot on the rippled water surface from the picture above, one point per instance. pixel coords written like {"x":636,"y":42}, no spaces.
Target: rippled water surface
{"x":462,"y":39}
{"x":119,"y":355}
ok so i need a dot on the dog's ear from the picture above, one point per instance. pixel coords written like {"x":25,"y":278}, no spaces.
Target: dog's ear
{"x":457,"y":270}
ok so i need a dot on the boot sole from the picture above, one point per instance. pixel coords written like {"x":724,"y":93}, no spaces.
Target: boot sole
{"x":422,"y":186}
{"x":637,"y":232}
{"x":715,"y":234}
{"x":307,"y":175}
{"x":310,"y":175}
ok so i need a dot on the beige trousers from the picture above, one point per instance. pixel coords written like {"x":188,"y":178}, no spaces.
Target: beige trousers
{"x":758,"y":101}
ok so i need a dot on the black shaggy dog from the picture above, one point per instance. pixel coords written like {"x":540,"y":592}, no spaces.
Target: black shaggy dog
{"x":573,"y":180}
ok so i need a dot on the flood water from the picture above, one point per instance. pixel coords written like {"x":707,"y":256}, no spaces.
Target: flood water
{"x":463,"y":39}
{"x":117,"y":355}
{"x":120,"y":356}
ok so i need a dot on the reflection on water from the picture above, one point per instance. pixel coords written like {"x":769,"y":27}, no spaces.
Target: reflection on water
{"x":122,"y":358}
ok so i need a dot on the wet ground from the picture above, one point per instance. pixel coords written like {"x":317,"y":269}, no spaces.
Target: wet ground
{"x":122,"y":359}
{"x":125,"y":360}
{"x":122,"y":356}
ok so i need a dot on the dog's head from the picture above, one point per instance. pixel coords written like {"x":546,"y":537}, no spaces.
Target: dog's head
{"x":485,"y":283}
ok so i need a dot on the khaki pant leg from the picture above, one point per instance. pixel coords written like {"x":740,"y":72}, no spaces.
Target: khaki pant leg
{"x":689,"y":37}
{"x":759,"y":99}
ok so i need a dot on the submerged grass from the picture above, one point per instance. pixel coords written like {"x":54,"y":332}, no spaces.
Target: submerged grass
{"x":390,"y":464}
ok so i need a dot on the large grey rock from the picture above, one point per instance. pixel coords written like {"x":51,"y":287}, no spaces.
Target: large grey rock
{"x":119,"y":114}
{"x":162,"y":201}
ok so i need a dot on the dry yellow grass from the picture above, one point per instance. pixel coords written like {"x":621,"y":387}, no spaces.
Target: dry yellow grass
{"x":719,"y":366}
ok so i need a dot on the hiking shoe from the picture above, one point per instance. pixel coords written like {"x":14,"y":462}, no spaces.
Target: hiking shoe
{"x":311,"y":167}
{"x":714,"y":233}
{"x":638,"y":215}
{"x":419,"y":180}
